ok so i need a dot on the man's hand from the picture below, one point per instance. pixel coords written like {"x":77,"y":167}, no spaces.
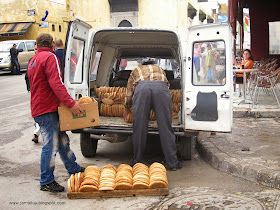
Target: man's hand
{"x":125,"y":113}
{"x":77,"y":110}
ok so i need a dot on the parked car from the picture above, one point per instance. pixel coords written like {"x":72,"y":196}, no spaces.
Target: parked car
{"x":26,"y":51}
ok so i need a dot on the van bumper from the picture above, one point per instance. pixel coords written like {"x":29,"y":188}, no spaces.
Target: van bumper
{"x":129,"y":131}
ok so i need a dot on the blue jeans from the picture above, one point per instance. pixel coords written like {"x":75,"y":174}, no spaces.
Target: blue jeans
{"x":54,"y":141}
{"x":196,"y":61}
{"x":15,"y":66}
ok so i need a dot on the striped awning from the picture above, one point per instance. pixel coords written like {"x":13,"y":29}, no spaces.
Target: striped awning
{"x":14,"y":29}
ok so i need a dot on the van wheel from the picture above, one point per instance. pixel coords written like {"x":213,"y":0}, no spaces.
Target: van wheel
{"x":88,"y":145}
{"x":184,"y":147}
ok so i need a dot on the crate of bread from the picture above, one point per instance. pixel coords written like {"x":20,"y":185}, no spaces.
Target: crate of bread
{"x":123,"y":181}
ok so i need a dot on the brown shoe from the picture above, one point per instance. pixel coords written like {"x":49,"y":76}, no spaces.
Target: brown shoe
{"x":35,"y":139}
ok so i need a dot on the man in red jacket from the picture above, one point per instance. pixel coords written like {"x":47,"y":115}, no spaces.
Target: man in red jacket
{"x":47,"y":91}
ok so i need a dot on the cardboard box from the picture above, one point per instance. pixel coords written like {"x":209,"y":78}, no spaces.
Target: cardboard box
{"x":68,"y":121}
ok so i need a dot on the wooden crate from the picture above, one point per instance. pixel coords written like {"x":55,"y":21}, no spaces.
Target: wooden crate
{"x":118,"y":193}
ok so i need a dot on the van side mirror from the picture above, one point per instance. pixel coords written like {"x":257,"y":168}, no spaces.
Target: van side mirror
{"x":20,"y":50}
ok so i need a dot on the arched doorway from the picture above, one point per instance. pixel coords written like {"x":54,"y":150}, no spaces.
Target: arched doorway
{"x":125,"y":23}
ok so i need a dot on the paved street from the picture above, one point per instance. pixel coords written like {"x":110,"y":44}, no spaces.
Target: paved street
{"x":196,"y":186}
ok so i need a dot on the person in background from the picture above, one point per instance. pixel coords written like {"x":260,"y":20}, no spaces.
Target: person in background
{"x":60,"y":53}
{"x":14,"y":59}
{"x":247,"y":63}
{"x":203,"y":56}
{"x":47,"y":92}
{"x":149,"y":86}
{"x":196,"y":59}
{"x":35,"y":138}
{"x":210,"y":65}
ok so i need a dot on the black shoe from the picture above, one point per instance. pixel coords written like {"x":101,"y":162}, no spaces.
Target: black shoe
{"x":35,"y":139}
{"x":52,"y":187}
{"x":82,"y":169}
{"x":179,"y":165}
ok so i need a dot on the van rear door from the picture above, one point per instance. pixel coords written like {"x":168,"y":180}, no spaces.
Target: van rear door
{"x":76,"y":59}
{"x":208,"y":79}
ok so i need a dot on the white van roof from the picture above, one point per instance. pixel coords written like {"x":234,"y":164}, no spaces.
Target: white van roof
{"x":138,"y":42}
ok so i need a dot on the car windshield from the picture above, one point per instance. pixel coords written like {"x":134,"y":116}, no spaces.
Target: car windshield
{"x":5,"y":47}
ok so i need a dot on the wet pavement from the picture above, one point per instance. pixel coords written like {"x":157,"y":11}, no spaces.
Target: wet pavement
{"x":247,"y":161}
{"x":251,"y":151}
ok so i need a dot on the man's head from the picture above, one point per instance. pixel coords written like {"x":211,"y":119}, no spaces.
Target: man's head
{"x":14,"y":46}
{"x":44,"y":40}
{"x":209,"y":46}
{"x":58,"y":43}
{"x":35,"y":48}
{"x":148,"y":61}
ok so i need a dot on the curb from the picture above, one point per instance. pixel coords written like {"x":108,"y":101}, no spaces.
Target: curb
{"x":258,"y":113}
{"x":231,"y":165}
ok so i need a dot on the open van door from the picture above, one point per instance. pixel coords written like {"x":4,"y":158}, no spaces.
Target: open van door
{"x":208,"y":79}
{"x":76,"y":59}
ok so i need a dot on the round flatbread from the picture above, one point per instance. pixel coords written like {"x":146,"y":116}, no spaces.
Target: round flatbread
{"x":84,"y":100}
{"x":88,"y":188}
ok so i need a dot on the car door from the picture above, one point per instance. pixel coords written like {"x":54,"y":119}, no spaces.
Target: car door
{"x":208,"y":79}
{"x":22,"y":55}
{"x":30,"y":49}
{"x":76,"y":74}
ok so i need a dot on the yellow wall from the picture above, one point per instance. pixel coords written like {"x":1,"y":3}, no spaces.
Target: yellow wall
{"x":94,"y":12}
{"x":172,"y":14}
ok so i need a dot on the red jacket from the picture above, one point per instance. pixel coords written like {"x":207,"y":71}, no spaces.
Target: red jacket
{"x":46,"y":86}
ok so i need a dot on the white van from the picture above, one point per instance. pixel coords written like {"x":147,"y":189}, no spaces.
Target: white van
{"x":93,"y":58}
{"x":26,"y":51}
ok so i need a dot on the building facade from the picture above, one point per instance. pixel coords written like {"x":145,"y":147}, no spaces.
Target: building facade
{"x":25,"y":19}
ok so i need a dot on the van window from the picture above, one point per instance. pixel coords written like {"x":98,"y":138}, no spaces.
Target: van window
{"x":21,"y":46}
{"x":77,"y":60}
{"x":124,"y":66}
{"x":94,"y":65}
{"x":209,"y":66}
{"x":30,"y":46}
{"x":132,"y":63}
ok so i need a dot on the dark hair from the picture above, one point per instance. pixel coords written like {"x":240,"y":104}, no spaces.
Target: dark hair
{"x":209,"y":45}
{"x":44,"y":40}
{"x":249,"y":51}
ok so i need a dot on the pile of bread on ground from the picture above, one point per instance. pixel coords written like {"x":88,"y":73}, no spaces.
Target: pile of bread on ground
{"x":124,"y":177}
{"x":112,"y":100}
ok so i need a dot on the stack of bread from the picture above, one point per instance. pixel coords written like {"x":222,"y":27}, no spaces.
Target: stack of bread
{"x":74,"y":182}
{"x":90,"y":180}
{"x":141,"y":179}
{"x":107,"y":177}
{"x":112,"y":100}
{"x":158,"y":177}
{"x":176,"y":96}
{"x":117,"y":94}
{"x":124,"y":177}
